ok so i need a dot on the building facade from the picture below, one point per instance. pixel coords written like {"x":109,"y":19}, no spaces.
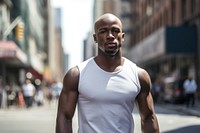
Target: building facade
{"x":30,"y":43}
{"x":165,"y":37}
{"x":162,"y":36}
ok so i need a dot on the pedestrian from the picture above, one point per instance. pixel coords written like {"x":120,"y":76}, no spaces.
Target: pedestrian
{"x":11,"y":95}
{"x":190,"y":88}
{"x":20,"y":99}
{"x":39,"y":96}
{"x":157,"y":90}
{"x":105,"y":88}
{"x":28,"y":92}
{"x":49,"y":93}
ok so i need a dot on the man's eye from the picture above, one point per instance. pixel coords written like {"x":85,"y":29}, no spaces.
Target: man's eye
{"x":102,"y":31}
{"x":116,"y":30}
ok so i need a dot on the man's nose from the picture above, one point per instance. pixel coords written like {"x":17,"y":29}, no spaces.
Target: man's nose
{"x":110,"y":35}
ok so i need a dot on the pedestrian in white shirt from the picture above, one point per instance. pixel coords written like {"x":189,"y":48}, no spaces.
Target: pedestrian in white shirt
{"x":28,"y":92}
{"x":190,"y":88}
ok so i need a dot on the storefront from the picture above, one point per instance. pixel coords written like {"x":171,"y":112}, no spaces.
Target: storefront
{"x":12,"y":60}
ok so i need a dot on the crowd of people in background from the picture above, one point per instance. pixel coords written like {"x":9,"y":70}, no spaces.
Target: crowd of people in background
{"x":29,"y":94}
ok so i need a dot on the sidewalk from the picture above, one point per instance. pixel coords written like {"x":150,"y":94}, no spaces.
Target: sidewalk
{"x":195,"y":111}
{"x":46,"y":105}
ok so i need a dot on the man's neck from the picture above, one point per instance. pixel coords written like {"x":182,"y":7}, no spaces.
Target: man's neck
{"x":110,"y":63}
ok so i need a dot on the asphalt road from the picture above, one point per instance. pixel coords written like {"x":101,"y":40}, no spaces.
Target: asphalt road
{"x":34,"y":120}
{"x":42,"y":120}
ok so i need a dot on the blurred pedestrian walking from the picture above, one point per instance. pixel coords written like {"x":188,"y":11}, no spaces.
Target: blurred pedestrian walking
{"x":157,"y":90}
{"x":190,"y":88}
{"x":28,"y":92}
{"x":39,"y":97}
{"x":21,"y":102}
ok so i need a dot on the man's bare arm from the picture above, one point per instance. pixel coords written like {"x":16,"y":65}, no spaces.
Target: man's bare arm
{"x":67,"y":101}
{"x":144,"y":101}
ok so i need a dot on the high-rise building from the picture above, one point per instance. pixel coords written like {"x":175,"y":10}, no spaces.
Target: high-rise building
{"x":160,"y":35}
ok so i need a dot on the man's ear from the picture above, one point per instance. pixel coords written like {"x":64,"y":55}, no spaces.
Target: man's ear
{"x":95,"y":38}
{"x":123,"y":35}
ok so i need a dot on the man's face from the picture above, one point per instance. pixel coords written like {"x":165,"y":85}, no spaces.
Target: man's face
{"x":109,"y":35}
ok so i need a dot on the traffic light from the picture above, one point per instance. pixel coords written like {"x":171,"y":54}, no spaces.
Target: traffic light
{"x":19,"y":31}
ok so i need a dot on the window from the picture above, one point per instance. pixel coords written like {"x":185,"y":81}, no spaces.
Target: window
{"x":193,"y":6}
{"x":173,"y":12}
{"x":184,"y":9}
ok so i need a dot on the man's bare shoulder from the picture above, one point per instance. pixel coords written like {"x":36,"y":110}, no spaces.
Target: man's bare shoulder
{"x":71,"y":78}
{"x":144,"y":79}
{"x":72,"y":72}
{"x":142,"y":73}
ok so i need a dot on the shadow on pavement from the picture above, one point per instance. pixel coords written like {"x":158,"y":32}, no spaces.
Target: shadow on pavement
{"x":188,"y":129}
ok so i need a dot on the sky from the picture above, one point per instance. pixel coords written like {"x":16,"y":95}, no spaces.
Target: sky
{"x":76,"y":23}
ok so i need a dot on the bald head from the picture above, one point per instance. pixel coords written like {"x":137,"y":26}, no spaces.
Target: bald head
{"x":108,"y":17}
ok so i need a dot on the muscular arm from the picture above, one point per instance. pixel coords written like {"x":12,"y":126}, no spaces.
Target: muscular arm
{"x":144,"y":102}
{"x":67,"y":101}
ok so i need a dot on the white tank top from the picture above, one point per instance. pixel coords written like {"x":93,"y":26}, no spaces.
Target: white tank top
{"x":106,"y":99}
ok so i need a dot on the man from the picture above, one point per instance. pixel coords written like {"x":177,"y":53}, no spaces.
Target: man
{"x":28,"y":90}
{"x":106,"y":87}
{"x":190,"y":88}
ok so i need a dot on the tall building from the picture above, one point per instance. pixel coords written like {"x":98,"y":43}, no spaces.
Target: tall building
{"x":54,"y":63}
{"x":160,"y":29}
{"x":160,"y":35}
{"x":21,"y":37}
{"x":21,"y":42}
{"x":12,"y":55}
{"x":30,"y":43}
{"x":57,"y":57}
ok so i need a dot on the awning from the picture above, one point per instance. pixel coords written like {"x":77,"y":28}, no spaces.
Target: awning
{"x":9,"y":50}
{"x":34,"y":73}
{"x":165,"y":42}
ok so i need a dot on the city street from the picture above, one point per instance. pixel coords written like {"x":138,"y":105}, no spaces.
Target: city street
{"x":173,"y":122}
{"x":42,"y":120}
{"x":33,"y":120}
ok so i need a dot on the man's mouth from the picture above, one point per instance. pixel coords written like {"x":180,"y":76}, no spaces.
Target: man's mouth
{"x":111,"y":44}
